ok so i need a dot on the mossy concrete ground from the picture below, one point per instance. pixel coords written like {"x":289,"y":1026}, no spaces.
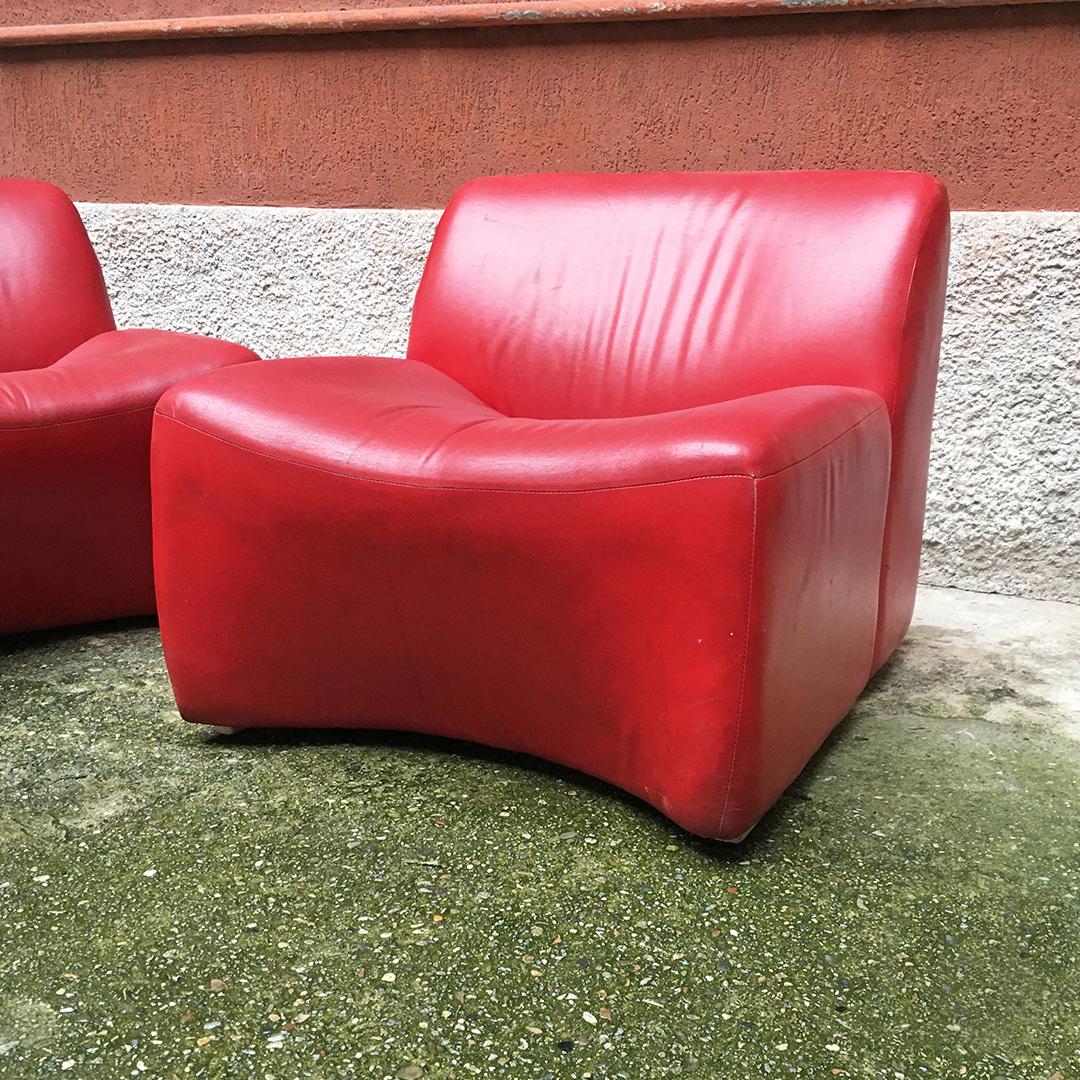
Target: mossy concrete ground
{"x":175,"y":903}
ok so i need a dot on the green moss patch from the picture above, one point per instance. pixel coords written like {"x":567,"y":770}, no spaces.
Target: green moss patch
{"x":177,"y":903}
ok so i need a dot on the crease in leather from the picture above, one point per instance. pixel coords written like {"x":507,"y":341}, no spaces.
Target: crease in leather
{"x":746,"y":649}
{"x":75,"y":420}
{"x":433,"y":452}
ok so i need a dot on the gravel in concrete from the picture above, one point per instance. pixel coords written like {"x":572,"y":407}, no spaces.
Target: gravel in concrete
{"x":174,"y":903}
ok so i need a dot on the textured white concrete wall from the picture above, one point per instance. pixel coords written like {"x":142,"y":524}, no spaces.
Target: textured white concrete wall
{"x":1004,"y":504}
{"x":285,"y":282}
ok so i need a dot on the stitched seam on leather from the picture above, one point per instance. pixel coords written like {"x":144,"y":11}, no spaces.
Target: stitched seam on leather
{"x":920,"y":253}
{"x":517,"y":491}
{"x":745,"y":659}
{"x":75,"y":420}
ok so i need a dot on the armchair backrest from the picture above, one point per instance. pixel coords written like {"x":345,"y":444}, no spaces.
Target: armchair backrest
{"x":52,"y":295}
{"x":593,"y":295}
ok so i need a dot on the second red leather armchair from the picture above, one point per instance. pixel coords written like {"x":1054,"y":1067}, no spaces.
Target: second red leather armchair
{"x":76,"y":401}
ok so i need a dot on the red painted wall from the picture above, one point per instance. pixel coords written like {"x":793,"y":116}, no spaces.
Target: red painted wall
{"x":986,"y":98}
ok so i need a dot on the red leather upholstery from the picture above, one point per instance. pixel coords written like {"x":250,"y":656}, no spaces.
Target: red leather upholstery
{"x":591,"y":517}
{"x":591,"y":295}
{"x":76,"y":402}
{"x":53,"y":294}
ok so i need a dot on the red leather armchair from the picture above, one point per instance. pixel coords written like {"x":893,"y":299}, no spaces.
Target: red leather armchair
{"x":645,"y":498}
{"x":76,"y":404}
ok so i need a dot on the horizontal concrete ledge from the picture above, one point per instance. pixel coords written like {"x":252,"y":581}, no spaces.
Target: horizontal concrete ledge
{"x":426,"y":17}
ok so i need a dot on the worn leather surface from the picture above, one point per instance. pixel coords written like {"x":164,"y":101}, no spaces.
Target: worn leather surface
{"x":75,"y":541}
{"x":576,"y":522}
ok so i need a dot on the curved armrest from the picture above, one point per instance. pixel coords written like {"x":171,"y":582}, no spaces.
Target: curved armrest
{"x":115,"y":372}
{"x":754,"y":436}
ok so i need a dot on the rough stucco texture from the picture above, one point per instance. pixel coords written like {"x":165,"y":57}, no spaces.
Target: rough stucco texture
{"x":985,"y":98}
{"x":289,"y":282}
{"x":1004,"y":503}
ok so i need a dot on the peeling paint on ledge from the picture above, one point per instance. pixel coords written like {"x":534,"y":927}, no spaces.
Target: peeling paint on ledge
{"x":446,"y":16}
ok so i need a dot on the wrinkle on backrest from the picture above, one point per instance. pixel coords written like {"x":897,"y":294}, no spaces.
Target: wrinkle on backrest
{"x":580,"y":295}
{"x":52,"y":294}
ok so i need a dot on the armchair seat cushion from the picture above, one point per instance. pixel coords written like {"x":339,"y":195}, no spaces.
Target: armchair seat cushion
{"x":407,"y":423}
{"x":111,"y":374}
{"x":681,"y":603}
